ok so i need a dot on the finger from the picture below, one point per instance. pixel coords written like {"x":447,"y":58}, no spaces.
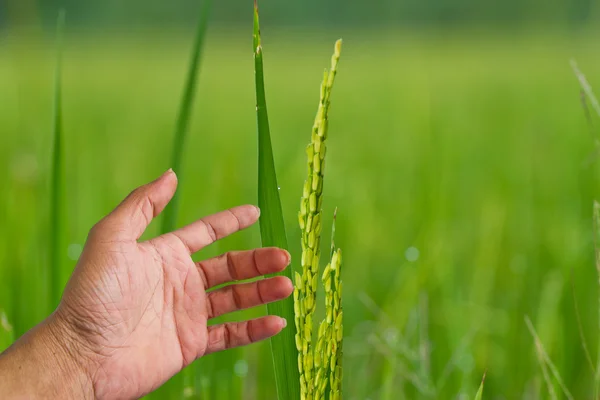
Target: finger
{"x":135,"y":213}
{"x":217,"y":226}
{"x":240,"y":265}
{"x":235,"y":334}
{"x":246,"y":295}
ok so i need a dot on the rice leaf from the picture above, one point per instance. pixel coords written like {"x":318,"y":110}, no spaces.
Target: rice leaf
{"x":169,"y":221}
{"x":479,"y":395}
{"x":587,"y":88}
{"x":584,"y":344}
{"x":272,"y":230}
{"x":546,"y":362}
{"x":6,"y":332}
{"x":588,"y":93}
{"x":57,"y":217}
{"x":597,"y":250}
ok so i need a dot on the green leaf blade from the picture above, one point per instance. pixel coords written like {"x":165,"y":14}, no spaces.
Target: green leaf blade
{"x":596,"y":215}
{"x":272,"y":230}
{"x":57,"y":217}
{"x":479,"y":395}
{"x":171,"y":212}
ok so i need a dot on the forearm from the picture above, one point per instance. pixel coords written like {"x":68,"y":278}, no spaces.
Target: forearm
{"x":42,"y":365}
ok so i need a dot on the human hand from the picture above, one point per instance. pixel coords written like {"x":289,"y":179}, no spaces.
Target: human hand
{"x":135,"y":313}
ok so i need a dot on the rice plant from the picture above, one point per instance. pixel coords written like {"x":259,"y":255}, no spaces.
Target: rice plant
{"x":169,"y":220}
{"x":318,"y":372}
{"x":57,"y":216}
{"x":597,"y":251}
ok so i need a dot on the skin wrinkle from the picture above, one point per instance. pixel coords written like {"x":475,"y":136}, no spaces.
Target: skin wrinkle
{"x":203,"y":275}
{"x":239,"y":223}
{"x":210,"y":303}
{"x":103,"y":333}
{"x":255,"y":263}
{"x":183,"y":241}
{"x":231,"y":268}
{"x":209,"y":307}
{"x":184,"y":351}
{"x":173,"y":294}
{"x":237,"y":299}
{"x":148,"y":210}
{"x":156,"y":255}
{"x":116,"y":273}
{"x":249,"y":331}
{"x":68,"y":350}
{"x":211,"y":231}
{"x":259,"y":291}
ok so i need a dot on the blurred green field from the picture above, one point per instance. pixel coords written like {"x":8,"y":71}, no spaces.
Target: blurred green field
{"x":460,"y":163}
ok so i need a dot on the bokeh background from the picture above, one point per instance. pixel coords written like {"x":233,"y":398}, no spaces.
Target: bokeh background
{"x":462,"y":159}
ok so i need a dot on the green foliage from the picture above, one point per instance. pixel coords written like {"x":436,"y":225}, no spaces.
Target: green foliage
{"x":467,"y":148}
{"x":546,"y":364}
{"x":327,"y":13}
{"x":588,"y":95}
{"x":169,"y":222}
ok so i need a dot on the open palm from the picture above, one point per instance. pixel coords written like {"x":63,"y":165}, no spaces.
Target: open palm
{"x":139,"y":311}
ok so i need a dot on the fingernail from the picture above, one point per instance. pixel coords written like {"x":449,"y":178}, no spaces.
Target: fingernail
{"x":284,"y":322}
{"x":165,"y":174}
{"x":257,"y":210}
{"x":289,"y":257}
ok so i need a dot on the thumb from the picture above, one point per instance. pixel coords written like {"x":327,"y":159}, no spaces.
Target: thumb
{"x":134,"y":214}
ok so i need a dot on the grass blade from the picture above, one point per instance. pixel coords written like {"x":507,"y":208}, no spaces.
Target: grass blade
{"x":587,"y":88}
{"x":272,"y":230}
{"x":597,"y":250}
{"x":546,"y":362}
{"x":57,"y":219}
{"x":479,"y":395}
{"x":169,"y":220}
{"x":584,"y":344}
{"x":587,"y":92}
{"x":6,"y":332}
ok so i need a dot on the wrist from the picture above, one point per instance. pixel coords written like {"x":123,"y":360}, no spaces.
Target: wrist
{"x":46,"y":363}
{"x":71,"y":357}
